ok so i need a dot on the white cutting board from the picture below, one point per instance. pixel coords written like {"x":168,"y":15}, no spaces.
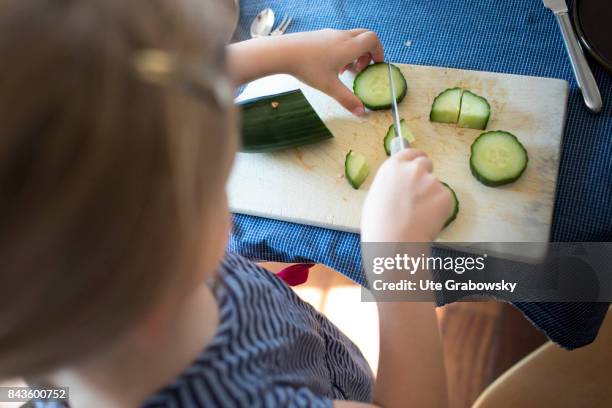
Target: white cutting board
{"x":306,"y":185}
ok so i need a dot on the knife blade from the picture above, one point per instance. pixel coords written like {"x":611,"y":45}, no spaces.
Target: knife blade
{"x":582,"y":71}
{"x":398,"y":143}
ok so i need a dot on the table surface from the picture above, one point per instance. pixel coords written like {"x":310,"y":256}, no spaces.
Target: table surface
{"x":512,"y":36}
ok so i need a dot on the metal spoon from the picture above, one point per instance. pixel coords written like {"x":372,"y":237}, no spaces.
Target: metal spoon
{"x":263,"y":23}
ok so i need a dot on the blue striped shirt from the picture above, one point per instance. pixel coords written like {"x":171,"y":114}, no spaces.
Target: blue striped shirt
{"x":271,"y":349}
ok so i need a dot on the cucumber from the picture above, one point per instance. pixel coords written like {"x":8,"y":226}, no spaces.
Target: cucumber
{"x":497,"y":158}
{"x":406,"y":134}
{"x":475,"y":111}
{"x":446,"y":106}
{"x":280,"y":121}
{"x":455,"y":206}
{"x":356,"y":169}
{"x":464,"y":108}
{"x":372,"y":86}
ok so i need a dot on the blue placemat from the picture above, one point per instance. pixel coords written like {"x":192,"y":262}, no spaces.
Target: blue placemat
{"x":511,"y":36}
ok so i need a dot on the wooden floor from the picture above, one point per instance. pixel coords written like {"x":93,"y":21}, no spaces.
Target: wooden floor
{"x":481,"y":339}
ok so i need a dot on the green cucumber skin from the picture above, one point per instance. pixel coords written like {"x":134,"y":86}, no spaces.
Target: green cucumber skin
{"x":399,"y":97}
{"x":347,"y":175}
{"x":496,"y":183}
{"x":455,"y":206}
{"x":432,"y":113}
{"x":485,"y":121}
{"x":293,"y":123}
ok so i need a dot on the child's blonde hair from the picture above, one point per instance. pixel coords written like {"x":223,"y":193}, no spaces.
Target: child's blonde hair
{"x":103,"y":177}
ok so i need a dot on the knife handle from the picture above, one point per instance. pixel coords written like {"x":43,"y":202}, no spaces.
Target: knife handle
{"x":582,"y":71}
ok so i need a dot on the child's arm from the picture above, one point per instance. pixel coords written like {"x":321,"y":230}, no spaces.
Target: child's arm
{"x":315,"y":57}
{"x":406,"y":203}
{"x":411,"y":368}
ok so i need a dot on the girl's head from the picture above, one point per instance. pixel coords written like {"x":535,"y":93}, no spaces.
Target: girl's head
{"x":111,"y":188}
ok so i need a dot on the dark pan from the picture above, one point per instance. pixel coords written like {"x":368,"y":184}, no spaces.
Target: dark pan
{"x":593,"y":23}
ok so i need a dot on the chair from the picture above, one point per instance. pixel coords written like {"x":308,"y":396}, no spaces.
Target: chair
{"x":554,"y":377}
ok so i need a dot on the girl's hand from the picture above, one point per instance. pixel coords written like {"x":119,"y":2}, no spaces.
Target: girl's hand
{"x":317,"y":57}
{"x":406,"y":203}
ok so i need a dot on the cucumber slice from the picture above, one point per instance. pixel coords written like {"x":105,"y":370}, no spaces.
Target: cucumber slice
{"x":372,"y":86}
{"x":406,"y":134}
{"x":475,"y":111}
{"x":455,"y":206}
{"x":497,"y":158}
{"x":446,"y":106}
{"x":356,"y":169}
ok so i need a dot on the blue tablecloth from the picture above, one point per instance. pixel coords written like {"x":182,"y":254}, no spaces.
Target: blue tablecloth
{"x":511,"y":36}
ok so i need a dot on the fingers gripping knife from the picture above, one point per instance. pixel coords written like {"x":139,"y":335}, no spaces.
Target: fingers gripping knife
{"x":398,"y":143}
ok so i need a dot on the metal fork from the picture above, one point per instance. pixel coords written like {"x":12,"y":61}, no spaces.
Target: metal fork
{"x":282,"y":27}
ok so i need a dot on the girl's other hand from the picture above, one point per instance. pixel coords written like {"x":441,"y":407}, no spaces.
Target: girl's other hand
{"x":406,"y":202}
{"x":318,"y":57}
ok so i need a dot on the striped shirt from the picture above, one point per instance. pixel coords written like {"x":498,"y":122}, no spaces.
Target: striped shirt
{"x":271,"y":349}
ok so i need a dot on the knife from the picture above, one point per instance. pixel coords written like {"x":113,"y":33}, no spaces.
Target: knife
{"x":582,"y":71}
{"x":398,"y":143}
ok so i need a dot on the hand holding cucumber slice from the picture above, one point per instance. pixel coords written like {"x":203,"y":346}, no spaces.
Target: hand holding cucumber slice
{"x":356,"y":169}
{"x":373,"y":89}
{"x":406,"y":134}
{"x":464,"y":108}
{"x":497,"y":158}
